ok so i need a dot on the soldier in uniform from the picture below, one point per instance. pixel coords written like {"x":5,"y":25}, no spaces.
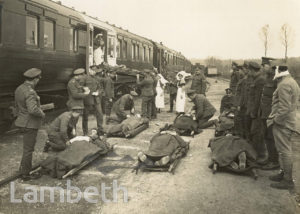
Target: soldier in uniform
{"x":246,"y":94}
{"x":123,"y":104}
{"x":93,"y":102}
{"x":62,"y":129}
{"x":227,"y":102}
{"x":283,"y":118}
{"x":29,"y":118}
{"x":203,"y":108}
{"x":199,"y":82}
{"x":147,"y":88}
{"x":76,"y":90}
{"x":256,"y":89}
{"x":234,"y":78}
{"x":109,"y":94}
{"x":265,"y":110}
{"x":239,"y":103}
{"x":173,"y":93}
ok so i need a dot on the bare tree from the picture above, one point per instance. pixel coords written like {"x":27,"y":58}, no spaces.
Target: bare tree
{"x":286,"y":37}
{"x":264,"y":35}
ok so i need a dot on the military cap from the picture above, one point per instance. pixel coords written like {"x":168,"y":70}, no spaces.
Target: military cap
{"x":77,"y":108}
{"x":254,"y":65}
{"x":190,"y":91}
{"x":78,"y":71}
{"x":266,"y":60}
{"x":228,"y":89}
{"x":133,"y":93}
{"x":32,"y":73}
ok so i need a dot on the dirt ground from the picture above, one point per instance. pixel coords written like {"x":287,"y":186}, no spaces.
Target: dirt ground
{"x":192,"y":189}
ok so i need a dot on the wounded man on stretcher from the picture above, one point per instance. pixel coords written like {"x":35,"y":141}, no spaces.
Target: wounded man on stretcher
{"x":81,"y":151}
{"x":129,"y":127}
{"x":165,"y":150}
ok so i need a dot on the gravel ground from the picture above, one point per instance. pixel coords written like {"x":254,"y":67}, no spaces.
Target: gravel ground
{"x":192,"y":189}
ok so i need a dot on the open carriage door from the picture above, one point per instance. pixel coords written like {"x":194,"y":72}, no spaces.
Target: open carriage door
{"x":111,"y":52}
{"x":90,"y":49}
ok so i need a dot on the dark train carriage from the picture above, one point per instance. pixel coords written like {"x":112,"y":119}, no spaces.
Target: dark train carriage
{"x":42,"y":34}
{"x":166,"y":59}
{"x":133,"y":51}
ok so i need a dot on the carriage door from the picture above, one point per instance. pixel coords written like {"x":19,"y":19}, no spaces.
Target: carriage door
{"x":90,"y":49}
{"x":111,"y":52}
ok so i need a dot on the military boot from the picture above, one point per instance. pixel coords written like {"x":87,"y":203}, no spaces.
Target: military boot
{"x":278,"y":177}
{"x":283,"y":184}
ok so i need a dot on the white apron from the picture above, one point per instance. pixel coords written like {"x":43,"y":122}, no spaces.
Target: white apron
{"x":180,"y":100}
{"x":160,"y":97}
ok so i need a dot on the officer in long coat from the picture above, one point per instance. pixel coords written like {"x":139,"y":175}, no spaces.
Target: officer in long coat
{"x":283,"y":118}
{"x":256,"y":89}
{"x":76,"y":90}
{"x":204,"y":109}
{"x":92,"y":102}
{"x":62,"y":129}
{"x":147,"y":94}
{"x":264,"y":112}
{"x":29,"y":118}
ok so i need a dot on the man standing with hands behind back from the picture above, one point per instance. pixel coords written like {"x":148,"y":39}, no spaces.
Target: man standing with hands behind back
{"x":283,"y":119}
{"x":29,"y":118}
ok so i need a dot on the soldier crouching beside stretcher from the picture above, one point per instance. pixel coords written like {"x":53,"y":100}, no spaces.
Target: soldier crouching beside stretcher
{"x":204,"y":109}
{"x":123,"y":107}
{"x":62,"y":129}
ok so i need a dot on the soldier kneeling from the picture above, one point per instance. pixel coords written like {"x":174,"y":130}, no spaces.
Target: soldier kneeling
{"x":62,"y":129}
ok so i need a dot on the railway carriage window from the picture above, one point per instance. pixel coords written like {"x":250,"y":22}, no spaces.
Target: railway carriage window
{"x":133,"y":51}
{"x":119,"y":48}
{"x":124,"y":51}
{"x":137,"y":52}
{"x":73,"y":36}
{"x":82,"y":38}
{"x":111,"y":47}
{"x":32,"y":30}
{"x":144,"y":54}
{"x":49,"y":34}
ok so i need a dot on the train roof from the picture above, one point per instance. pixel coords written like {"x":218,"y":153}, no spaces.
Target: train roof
{"x":97,"y":23}
{"x":126,"y":33}
{"x":57,"y":7}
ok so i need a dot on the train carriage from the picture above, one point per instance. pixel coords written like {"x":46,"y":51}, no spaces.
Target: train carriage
{"x":58,"y":39}
{"x":133,"y":51}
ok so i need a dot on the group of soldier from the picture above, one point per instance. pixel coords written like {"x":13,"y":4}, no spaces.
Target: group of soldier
{"x":264,"y":98}
{"x":92,"y":92}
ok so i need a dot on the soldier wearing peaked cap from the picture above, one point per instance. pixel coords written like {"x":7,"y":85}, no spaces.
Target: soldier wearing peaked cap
{"x":92,"y":102}
{"x":265,"y":110}
{"x":283,"y":118}
{"x":62,"y":129}
{"x":76,"y":90}
{"x":124,"y":106}
{"x":29,"y":118}
{"x":256,"y":89}
{"x":204,"y":109}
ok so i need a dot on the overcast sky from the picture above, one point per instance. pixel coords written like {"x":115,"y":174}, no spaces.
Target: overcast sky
{"x":201,"y":28}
